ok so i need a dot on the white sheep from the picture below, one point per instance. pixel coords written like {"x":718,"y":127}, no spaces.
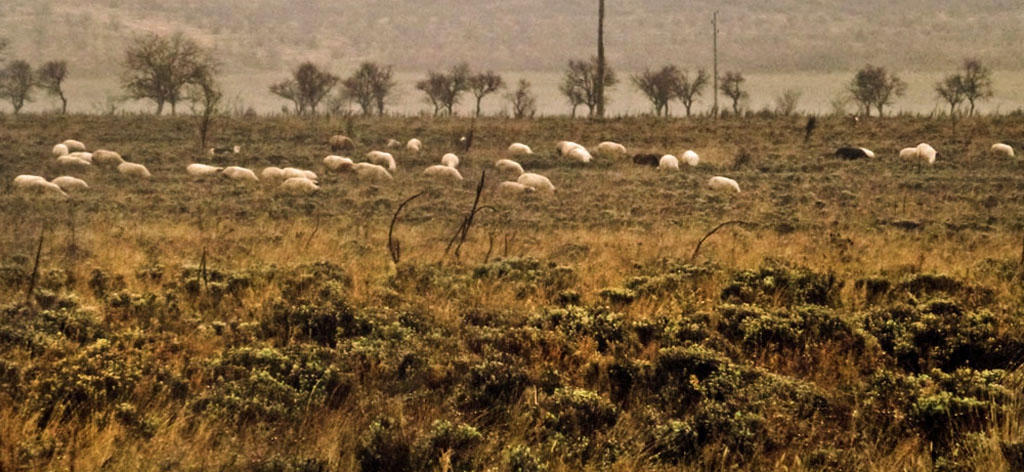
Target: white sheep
{"x":908,"y":153}
{"x":537,"y":182}
{"x":240,"y":174}
{"x":723,"y":183}
{"x":202,"y":170}
{"x":414,"y":145}
{"x":298,"y":186}
{"x":132,"y":169}
{"x":292,"y":172}
{"x":83,"y":155}
{"x":514,"y":188}
{"x":103,"y":157}
{"x":509,"y":166}
{"x":691,"y":158}
{"x":382,"y":158}
{"x":668,"y":162}
{"x":610,"y":149}
{"x":450,"y":160}
{"x":272,"y":173}
{"x":335,"y":162}
{"x":580,"y":154}
{"x":443,"y":171}
{"x":519,"y":149}
{"x":67,"y":183}
{"x":563,"y":147}
{"x":73,"y":161}
{"x":340,"y":142}
{"x":927,"y":153}
{"x":393,"y":144}
{"x":60,"y":149}
{"x":35,"y":182}
{"x":1002,"y":149}
{"x":368,"y":171}
{"x":73,"y":145}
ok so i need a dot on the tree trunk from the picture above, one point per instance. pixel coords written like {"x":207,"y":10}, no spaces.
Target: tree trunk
{"x":478,"y":99}
{"x":159,"y":107}
{"x":64,"y":104}
{"x":599,"y":82}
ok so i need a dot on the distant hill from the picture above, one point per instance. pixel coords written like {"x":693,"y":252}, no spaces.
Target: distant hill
{"x":414,"y":35}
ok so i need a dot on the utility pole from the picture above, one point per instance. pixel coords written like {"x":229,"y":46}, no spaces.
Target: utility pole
{"x":599,"y":83}
{"x":714,"y":25}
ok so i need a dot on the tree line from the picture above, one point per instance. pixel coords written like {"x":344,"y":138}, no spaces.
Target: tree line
{"x":172,"y":69}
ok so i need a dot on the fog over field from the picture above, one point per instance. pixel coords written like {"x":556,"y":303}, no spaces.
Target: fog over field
{"x":816,"y":45}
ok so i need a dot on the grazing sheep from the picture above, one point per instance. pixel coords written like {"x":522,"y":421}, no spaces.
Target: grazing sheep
{"x":514,"y":188}
{"x":341,"y":143}
{"x":537,"y":182}
{"x":103,"y":157}
{"x":333,"y":162}
{"x":414,"y":145}
{"x":443,"y":171}
{"x":202,"y":170}
{"x":580,"y":154}
{"x":272,"y":173}
{"x":60,"y":149}
{"x":35,"y":182}
{"x":691,"y":158}
{"x":1002,"y":149}
{"x":610,"y":149}
{"x":220,"y":150}
{"x":73,"y":145}
{"x":393,"y":144}
{"x":71,"y":160}
{"x":908,"y":153}
{"x":450,"y":160}
{"x":652,"y":160}
{"x":850,"y":153}
{"x":368,"y":171}
{"x":67,"y":183}
{"x":723,"y":183}
{"x":382,"y":158}
{"x":132,"y":169}
{"x":519,"y":149}
{"x":85,"y":156}
{"x":298,"y":186}
{"x":563,"y":147}
{"x":927,"y":153}
{"x":292,"y":172}
{"x":240,"y":174}
{"x":509,"y":166}
{"x":668,"y":161}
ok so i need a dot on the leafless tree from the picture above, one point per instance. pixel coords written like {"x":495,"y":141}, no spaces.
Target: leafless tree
{"x":444,"y":90}
{"x":730,"y":87}
{"x":16,"y":83}
{"x":370,"y":86}
{"x":158,"y":68}
{"x":976,"y":82}
{"x":951,"y":89}
{"x":875,"y":86}
{"x":689,"y":90}
{"x":785,"y":104}
{"x":483,"y":84}
{"x":306,"y":88}
{"x":205,"y":96}
{"x":579,"y":83}
{"x":659,"y":86}
{"x":524,"y":103}
{"x":50,"y":77}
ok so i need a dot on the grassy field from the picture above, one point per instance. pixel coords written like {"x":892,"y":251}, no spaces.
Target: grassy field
{"x":859,"y":315}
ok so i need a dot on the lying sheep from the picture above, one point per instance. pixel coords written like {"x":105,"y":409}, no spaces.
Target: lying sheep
{"x":580,"y":154}
{"x":519,"y":149}
{"x":444,"y":171}
{"x":668,"y":162}
{"x":240,"y":174}
{"x":202,"y":170}
{"x":272,"y":173}
{"x":73,"y":145}
{"x":450,"y":160}
{"x":652,"y":160}
{"x":509,"y":165}
{"x":292,"y":172}
{"x":60,"y":149}
{"x":73,"y":161}
{"x":414,"y":145}
{"x":1002,"y":149}
{"x":563,"y":147}
{"x":298,"y":186}
{"x":341,"y":143}
{"x":338,"y":163}
{"x":382,"y":158}
{"x":691,"y":158}
{"x":103,"y":157}
{"x":67,"y":183}
{"x":372,"y":172}
{"x":514,"y":188}
{"x":83,"y":155}
{"x":610,"y":149}
{"x":537,"y":182}
{"x":35,"y":182}
{"x":723,"y":183}
{"x":393,"y":144}
{"x":132,"y":169}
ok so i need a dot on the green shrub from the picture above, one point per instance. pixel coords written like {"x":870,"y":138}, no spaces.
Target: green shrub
{"x":779,"y":284}
{"x":385,"y":447}
{"x":458,"y":440}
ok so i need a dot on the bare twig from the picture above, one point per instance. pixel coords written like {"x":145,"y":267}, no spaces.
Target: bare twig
{"x":720,"y":226}
{"x":202,"y":270}
{"x":316,"y":227}
{"x":35,"y":269}
{"x":394,"y":249}
{"x":490,"y":246}
{"x":1020,"y":268}
{"x":463,"y":230}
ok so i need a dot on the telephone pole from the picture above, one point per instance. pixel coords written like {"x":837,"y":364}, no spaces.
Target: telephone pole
{"x":714,"y":25}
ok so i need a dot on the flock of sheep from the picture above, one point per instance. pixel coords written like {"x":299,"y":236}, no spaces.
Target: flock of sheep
{"x":378,"y":166}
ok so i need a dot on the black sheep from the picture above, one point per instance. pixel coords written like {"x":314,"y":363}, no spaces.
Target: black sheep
{"x":646,"y":159}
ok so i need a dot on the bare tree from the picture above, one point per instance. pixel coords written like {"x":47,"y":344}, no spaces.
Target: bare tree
{"x":659,"y":86}
{"x":370,"y":85}
{"x":875,"y":86}
{"x":158,"y":68}
{"x":306,"y":88}
{"x":524,"y":103}
{"x":205,"y":96}
{"x":602,"y":65}
{"x":579,"y":83}
{"x":730,"y":85}
{"x":444,"y":90}
{"x":951,"y":89}
{"x":976,"y":82}
{"x":785,"y":104}
{"x":50,"y":77}
{"x":16,"y":83}
{"x":483,"y":84}
{"x":688,"y":90}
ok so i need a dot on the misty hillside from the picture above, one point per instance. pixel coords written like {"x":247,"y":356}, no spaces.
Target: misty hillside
{"x":413,"y":35}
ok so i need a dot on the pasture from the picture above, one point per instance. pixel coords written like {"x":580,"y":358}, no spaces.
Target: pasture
{"x":855,"y":315}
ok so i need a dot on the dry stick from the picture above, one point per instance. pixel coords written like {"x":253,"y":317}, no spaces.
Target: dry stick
{"x":706,"y":236}
{"x":202,"y":269}
{"x":316,"y":227}
{"x":490,"y":246}
{"x":463,"y":230}
{"x":393,"y":247}
{"x":35,"y":269}
{"x":1020,"y":267}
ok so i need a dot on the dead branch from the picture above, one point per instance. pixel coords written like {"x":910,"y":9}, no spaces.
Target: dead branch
{"x":713,"y":231}
{"x":393,"y":247}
